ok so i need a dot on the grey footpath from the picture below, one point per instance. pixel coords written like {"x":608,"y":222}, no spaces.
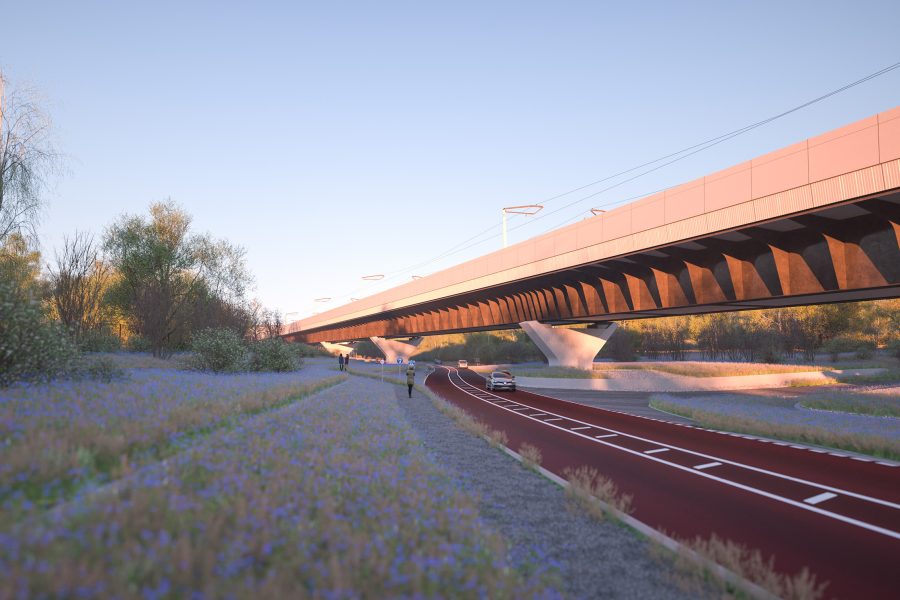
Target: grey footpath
{"x":595,"y":559}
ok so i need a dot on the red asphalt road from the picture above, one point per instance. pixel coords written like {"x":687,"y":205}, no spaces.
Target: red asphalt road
{"x":837,"y":515}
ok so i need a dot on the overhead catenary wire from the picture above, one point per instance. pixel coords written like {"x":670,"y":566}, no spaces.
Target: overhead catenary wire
{"x":665,"y":161}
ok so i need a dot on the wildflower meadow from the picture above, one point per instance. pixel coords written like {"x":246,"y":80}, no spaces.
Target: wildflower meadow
{"x":262,"y":490}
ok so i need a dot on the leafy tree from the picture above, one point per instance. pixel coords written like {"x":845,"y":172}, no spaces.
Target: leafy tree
{"x":163,"y":268}
{"x":20,"y":266}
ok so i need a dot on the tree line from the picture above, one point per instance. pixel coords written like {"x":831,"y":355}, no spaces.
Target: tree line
{"x":147,"y":282}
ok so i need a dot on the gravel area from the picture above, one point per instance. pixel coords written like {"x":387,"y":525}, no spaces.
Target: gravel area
{"x":595,"y":559}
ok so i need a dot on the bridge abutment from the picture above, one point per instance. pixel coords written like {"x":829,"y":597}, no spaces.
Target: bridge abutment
{"x":569,"y":347}
{"x":394,"y":349}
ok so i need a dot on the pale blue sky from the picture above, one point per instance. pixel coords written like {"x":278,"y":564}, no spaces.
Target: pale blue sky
{"x":336,"y":140}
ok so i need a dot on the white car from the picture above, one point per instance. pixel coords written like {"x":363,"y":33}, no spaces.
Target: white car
{"x":500,"y":380}
{"x":463,"y":364}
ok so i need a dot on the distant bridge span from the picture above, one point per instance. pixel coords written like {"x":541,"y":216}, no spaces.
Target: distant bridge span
{"x":818,"y":221}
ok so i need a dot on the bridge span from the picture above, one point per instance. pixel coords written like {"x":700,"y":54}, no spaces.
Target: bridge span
{"x":815,"y":222}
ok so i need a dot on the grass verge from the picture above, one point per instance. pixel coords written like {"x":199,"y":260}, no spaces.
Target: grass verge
{"x":710,"y":369}
{"x":868,"y":403}
{"x":863,"y":444}
{"x":888,"y":376}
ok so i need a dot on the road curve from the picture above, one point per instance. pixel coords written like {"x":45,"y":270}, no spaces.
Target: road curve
{"x":836,"y":514}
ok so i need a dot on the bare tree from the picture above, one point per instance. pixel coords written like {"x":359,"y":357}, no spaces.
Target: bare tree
{"x":78,"y":281}
{"x":27,"y":158}
{"x":265,"y":322}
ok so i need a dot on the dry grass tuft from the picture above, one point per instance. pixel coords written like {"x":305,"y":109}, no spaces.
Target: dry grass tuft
{"x":499,"y":439}
{"x":747,"y":564}
{"x":587,"y":486}
{"x":531,"y":456}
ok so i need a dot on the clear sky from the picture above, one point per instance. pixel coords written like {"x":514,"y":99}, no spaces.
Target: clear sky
{"x":338,"y":139}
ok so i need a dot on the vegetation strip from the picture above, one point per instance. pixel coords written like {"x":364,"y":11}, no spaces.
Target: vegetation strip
{"x":86,"y":434}
{"x":872,"y":445}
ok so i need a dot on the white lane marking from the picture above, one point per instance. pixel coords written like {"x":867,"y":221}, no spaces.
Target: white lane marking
{"x":581,"y":428}
{"x":740,"y":486}
{"x":540,"y":415}
{"x":820,"y":498}
{"x":709,"y":465}
{"x":548,"y":420}
{"x":522,"y":408}
{"x":861,"y":459}
{"x":702,"y":455}
{"x":608,"y":435}
{"x":654,"y":451}
{"x":688,"y":425}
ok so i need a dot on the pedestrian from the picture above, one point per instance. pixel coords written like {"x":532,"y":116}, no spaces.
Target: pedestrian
{"x":410,"y":378}
{"x":347,"y":361}
{"x":341,"y":361}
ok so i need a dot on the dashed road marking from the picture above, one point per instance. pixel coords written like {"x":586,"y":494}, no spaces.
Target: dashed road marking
{"x":554,"y":419}
{"x":820,"y":498}
{"x":708,"y":465}
{"x":580,"y":428}
{"x":608,"y":435}
{"x":655,"y":450}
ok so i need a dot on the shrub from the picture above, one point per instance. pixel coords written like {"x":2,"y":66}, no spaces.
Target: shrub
{"x":865,"y":350}
{"x":273,"y":354}
{"x":101,"y":368}
{"x":837,"y":345}
{"x":32,"y":348}
{"x":893,"y":349}
{"x":138,"y":343}
{"x":311,"y":351}
{"x":98,"y":340}
{"x":218,"y":350}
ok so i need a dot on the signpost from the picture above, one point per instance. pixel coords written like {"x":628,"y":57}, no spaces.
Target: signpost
{"x":399,"y":362}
